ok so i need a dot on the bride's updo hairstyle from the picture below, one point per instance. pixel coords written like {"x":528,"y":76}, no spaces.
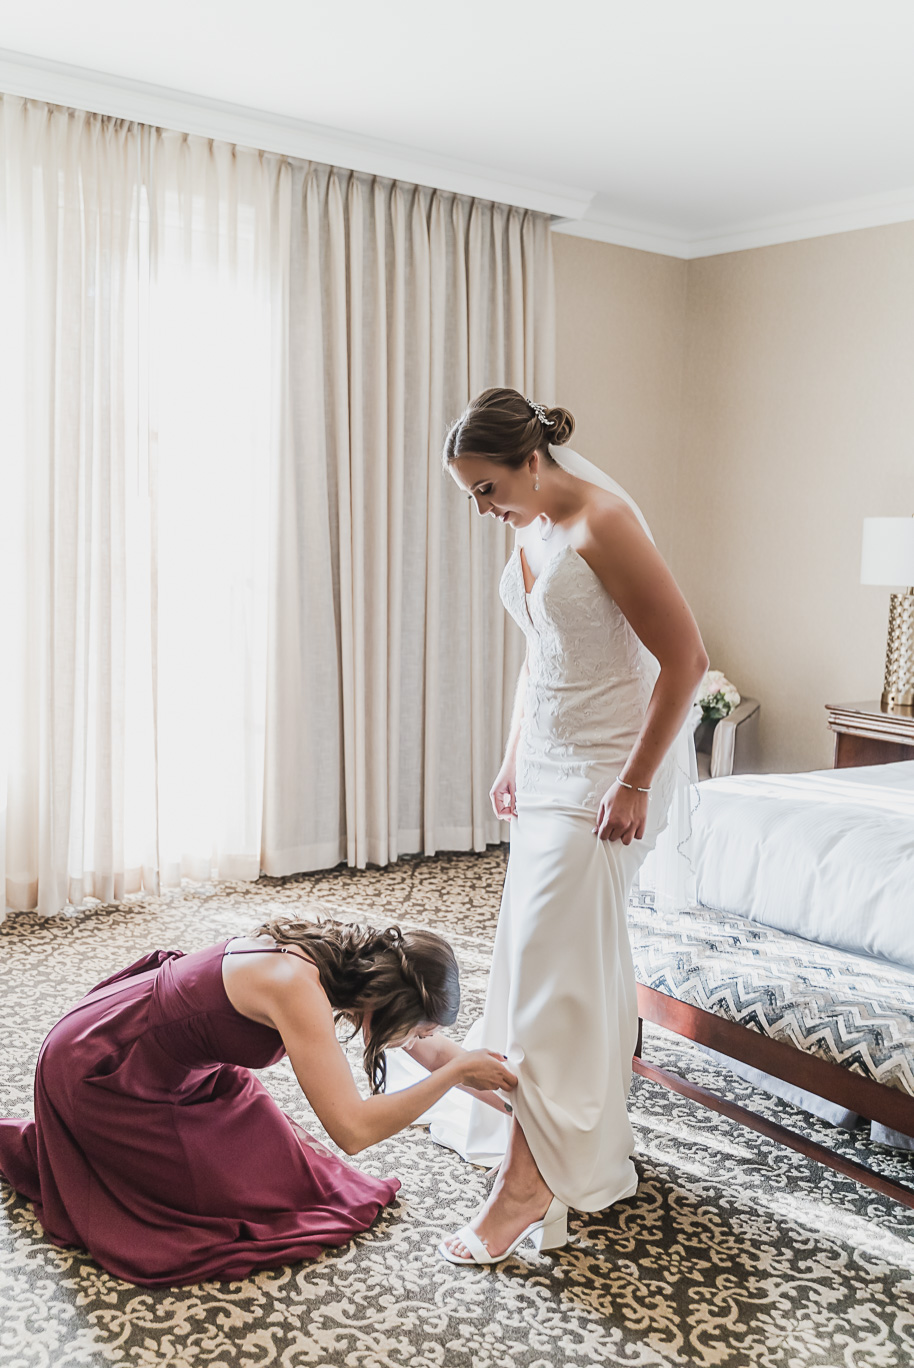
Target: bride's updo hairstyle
{"x":503,"y":427}
{"x":405,"y":978}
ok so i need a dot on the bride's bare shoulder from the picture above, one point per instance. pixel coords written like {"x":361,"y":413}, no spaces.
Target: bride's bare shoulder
{"x":605,"y":514}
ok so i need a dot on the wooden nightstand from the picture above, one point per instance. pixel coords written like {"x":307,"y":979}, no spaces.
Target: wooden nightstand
{"x":867,"y":734}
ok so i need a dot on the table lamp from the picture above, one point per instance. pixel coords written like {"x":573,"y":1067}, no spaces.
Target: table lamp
{"x":888,"y":558}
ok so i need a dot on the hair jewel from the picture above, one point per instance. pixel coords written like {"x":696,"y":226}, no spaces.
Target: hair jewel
{"x":541,"y":414}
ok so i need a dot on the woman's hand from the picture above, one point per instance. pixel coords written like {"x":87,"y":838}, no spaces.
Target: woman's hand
{"x":502,"y":792}
{"x":485,"y":1071}
{"x":622,"y":815}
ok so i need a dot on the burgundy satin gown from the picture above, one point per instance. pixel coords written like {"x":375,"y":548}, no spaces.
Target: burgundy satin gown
{"x":154,"y":1147}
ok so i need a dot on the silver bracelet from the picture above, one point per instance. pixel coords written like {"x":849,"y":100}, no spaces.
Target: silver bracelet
{"x":634,"y":787}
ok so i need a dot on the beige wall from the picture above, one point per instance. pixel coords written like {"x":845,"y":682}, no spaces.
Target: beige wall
{"x":796,"y":420}
{"x":620,"y":335}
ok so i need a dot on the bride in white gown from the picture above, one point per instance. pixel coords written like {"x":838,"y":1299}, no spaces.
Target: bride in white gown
{"x":592,"y":765}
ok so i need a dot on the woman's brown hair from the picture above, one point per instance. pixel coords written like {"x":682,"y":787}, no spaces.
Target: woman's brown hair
{"x":503,"y":427}
{"x":406,"y":978}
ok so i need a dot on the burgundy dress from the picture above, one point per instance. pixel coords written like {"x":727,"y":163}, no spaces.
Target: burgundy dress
{"x":155,"y":1148}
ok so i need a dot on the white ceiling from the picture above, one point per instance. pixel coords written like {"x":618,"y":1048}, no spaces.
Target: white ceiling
{"x":683,"y":126}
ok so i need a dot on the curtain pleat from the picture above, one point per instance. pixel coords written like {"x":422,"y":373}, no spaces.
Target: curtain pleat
{"x":252,"y":625}
{"x":396,"y":820}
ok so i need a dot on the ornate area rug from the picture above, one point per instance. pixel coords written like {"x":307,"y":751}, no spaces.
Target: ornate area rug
{"x":734,"y":1251}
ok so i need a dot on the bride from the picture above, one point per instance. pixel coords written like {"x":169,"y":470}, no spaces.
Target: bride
{"x":613,"y":662}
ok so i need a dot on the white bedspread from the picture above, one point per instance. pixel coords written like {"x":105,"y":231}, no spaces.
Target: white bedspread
{"x":828,"y":855}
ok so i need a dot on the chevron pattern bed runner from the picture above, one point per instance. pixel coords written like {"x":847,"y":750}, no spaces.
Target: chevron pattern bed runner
{"x":844,"y":1008}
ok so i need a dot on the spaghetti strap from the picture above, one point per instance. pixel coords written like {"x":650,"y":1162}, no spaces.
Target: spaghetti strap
{"x":269,"y":950}
{"x":261,"y":950}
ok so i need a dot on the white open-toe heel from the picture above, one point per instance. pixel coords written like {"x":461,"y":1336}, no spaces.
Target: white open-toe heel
{"x":549,"y":1233}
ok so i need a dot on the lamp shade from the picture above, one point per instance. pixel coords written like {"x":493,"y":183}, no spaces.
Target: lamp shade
{"x":888,"y":551}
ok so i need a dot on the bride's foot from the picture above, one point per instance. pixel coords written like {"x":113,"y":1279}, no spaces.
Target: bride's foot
{"x":502,"y":1219}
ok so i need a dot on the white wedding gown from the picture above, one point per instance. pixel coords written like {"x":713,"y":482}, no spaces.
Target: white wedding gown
{"x":561,"y":1000}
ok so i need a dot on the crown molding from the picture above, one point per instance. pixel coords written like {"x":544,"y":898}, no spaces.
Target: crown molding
{"x":76,"y":87}
{"x":822,"y":220}
{"x":643,"y":237}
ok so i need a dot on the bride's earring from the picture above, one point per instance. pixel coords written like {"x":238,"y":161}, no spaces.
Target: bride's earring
{"x":536,"y":482}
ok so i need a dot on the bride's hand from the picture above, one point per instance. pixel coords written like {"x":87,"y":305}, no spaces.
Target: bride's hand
{"x":622,"y":815}
{"x":502,"y":792}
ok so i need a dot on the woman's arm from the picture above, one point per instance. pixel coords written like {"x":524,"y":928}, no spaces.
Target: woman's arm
{"x":434,"y":1051}
{"x":517,"y":712}
{"x":299,"y":1010}
{"x":635,"y":575}
{"x":502,"y":792}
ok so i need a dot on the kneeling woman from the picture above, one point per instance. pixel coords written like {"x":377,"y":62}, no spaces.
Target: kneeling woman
{"x":156,"y":1149}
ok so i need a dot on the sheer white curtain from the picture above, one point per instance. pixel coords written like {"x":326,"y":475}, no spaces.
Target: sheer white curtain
{"x":248,"y":624}
{"x":75,"y":522}
{"x":219,"y":218}
{"x":142,"y":273}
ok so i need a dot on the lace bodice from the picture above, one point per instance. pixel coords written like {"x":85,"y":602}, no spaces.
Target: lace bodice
{"x":590,"y":679}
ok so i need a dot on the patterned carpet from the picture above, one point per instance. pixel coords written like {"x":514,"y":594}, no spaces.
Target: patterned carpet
{"x":734,"y":1252}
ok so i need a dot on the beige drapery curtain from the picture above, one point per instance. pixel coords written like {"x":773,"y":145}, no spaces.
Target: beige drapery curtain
{"x":403,"y":303}
{"x":250,"y":624}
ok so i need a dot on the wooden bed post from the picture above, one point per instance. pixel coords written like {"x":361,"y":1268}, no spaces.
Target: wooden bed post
{"x":869,"y":1099}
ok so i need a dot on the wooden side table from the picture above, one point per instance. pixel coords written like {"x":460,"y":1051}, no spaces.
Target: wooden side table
{"x":868,"y":734}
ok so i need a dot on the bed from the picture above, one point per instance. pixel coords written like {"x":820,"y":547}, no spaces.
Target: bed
{"x":798,"y":963}
{"x":827,"y":855}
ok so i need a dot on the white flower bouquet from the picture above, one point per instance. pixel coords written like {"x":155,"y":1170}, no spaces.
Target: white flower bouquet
{"x":717,"y":697}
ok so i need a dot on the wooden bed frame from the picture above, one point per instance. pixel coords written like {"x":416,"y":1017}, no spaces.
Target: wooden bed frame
{"x":875,"y":1101}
